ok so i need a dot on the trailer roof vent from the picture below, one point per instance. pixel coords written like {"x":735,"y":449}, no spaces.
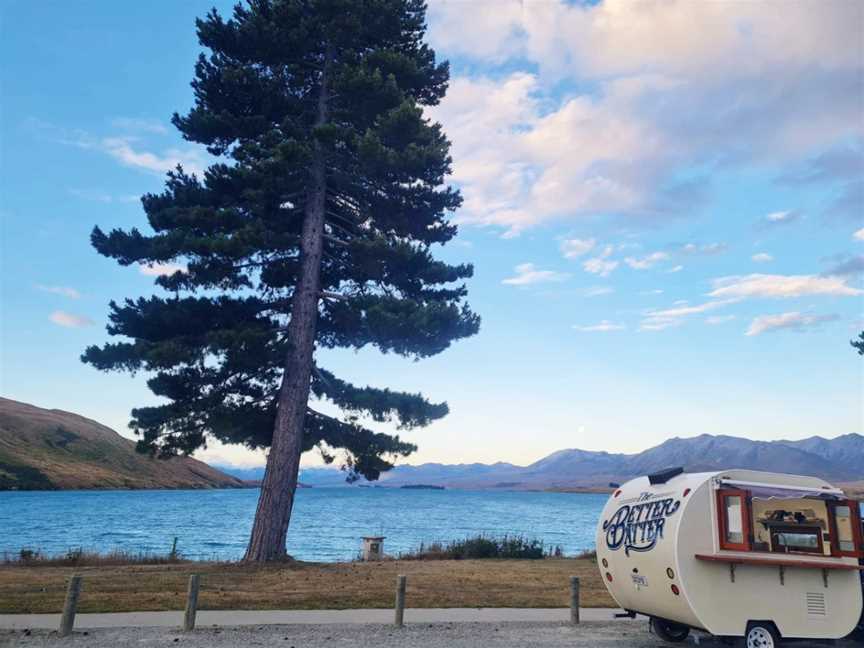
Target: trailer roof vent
{"x":663,"y":476}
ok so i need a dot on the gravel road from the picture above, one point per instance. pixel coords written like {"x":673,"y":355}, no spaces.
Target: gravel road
{"x":440,"y":635}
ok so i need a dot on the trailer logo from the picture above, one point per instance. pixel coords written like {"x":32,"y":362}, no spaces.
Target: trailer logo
{"x":638,"y":527}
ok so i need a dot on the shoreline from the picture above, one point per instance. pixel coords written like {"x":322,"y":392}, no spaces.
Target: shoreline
{"x":591,"y":490}
{"x":854,"y":490}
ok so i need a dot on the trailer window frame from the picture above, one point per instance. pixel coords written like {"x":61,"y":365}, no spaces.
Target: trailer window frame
{"x":723,"y":494}
{"x":834,"y":530}
{"x":816,"y":532}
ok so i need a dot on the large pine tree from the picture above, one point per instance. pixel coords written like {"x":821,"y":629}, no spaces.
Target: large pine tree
{"x":314,"y":228}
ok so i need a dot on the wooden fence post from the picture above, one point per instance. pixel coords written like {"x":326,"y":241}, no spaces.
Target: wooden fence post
{"x":400,"y":600}
{"x":67,"y":621}
{"x":574,"y":600}
{"x":191,"y":603}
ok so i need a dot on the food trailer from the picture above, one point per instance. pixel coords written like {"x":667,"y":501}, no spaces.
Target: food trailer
{"x":737,"y":553}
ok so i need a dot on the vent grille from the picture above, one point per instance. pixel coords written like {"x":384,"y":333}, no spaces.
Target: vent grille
{"x":815,"y":604}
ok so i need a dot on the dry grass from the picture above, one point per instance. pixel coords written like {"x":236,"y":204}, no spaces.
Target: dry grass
{"x":308,"y":586}
{"x":855,"y":490}
{"x":82,"y":558}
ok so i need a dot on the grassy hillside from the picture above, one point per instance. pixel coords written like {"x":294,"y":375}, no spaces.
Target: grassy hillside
{"x":52,"y":449}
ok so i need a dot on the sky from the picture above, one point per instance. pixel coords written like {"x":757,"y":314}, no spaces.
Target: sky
{"x":664,"y":203}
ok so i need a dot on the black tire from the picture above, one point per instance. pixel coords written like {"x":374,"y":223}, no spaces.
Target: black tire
{"x":669,"y":630}
{"x":761,"y":634}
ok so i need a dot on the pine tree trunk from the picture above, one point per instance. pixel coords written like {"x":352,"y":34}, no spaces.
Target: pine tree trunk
{"x":273,"y":514}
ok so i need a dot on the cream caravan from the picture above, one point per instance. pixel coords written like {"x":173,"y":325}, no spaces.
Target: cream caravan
{"x":737,"y":553}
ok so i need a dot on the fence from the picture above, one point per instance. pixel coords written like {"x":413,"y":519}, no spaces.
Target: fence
{"x":76,"y":583}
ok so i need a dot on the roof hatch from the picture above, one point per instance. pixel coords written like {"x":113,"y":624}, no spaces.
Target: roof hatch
{"x":663,"y":476}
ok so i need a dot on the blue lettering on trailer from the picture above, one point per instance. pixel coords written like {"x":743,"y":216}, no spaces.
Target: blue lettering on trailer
{"x":638,"y":527}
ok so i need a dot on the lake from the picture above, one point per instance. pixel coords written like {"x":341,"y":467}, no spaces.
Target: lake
{"x":327,"y":523}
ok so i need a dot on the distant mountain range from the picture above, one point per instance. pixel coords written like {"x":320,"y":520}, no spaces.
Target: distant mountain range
{"x":840,"y":460}
{"x":43,"y":449}
{"x":53,"y":449}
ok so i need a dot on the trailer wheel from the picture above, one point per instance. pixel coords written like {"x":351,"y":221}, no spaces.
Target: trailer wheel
{"x":761,"y":634}
{"x":669,"y":631}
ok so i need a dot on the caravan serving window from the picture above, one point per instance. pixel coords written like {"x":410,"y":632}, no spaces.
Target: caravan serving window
{"x":786,"y":520}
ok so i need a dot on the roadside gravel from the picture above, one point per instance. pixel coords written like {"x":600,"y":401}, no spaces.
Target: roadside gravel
{"x":444,"y":635}
{"x":439,"y":635}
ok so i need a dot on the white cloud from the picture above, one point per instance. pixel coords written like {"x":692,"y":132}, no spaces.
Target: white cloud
{"x":523,"y":155}
{"x":91,"y":195}
{"x":677,"y":268}
{"x":122,"y":149}
{"x":70,"y":320}
{"x":858,"y":235}
{"x":602,"y":327}
{"x":601,"y":265}
{"x":218,"y":453}
{"x":847,"y":266}
{"x":160,"y":269}
{"x":527,"y":274}
{"x":762,"y":257}
{"x":139,"y":125}
{"x":729,"y":290}
{"x":714,"y":320}
{"x":126,"y":149}
{"x":95,"y":195}
{"x":705,"y":249}
{"x":847,"y":202}
{"x":794,"y":321}
{"x":597,"y":291}
{"x":842,"y":163}
{"x":574,"y":248}
{"x":616,"y":37}
{"x":492,"y":27}
{"x":655,"y":291}
{"x":651,"y":324}
{"x":657,"y":320}
{"x":519,"y":164}
{"x":781,"y":286}
{"x":64,"y":291}
{"x":684,"y":310}
{"x":781,"y":218}
{"x":646,"y":262}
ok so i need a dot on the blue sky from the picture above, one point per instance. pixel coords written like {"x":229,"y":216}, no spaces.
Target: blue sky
{"x":664,"y":202}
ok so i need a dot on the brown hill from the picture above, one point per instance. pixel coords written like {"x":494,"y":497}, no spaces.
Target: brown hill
{"x":52,"y":449}
{"x":855,"y":490}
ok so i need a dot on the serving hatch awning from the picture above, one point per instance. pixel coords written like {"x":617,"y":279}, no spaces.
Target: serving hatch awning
{"x":763,"y":491}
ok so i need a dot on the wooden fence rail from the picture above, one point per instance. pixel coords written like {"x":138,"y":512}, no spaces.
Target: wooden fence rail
{"x":73,"y":594}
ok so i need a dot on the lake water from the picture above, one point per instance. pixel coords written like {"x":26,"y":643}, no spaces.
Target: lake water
{"x":326,"y":525}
